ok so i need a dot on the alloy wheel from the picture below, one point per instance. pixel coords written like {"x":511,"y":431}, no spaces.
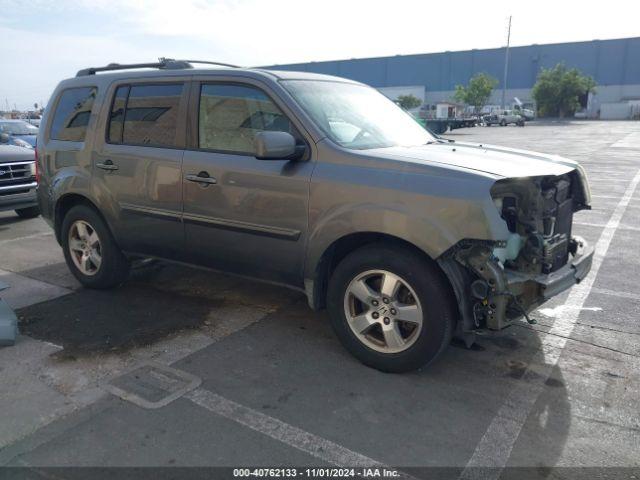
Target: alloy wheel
{"x":85,"y":247}
{"x":383,"y":311}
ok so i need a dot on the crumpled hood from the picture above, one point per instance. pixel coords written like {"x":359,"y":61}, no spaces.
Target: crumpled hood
{"x":499,"y":161}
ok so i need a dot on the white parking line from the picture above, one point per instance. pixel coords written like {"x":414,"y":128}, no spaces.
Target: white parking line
{"x":603,"y":225}
{"x":615,"y":293}
{"x":632,"y":140}
{"x":494,"y":448}
{"x":26,"y":237}
{"x":318,"y":447}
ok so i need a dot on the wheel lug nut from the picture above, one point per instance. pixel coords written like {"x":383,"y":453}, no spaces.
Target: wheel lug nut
{"x":385,"y":300}
{"x":386,"y":321}
{"x":374,"y":303}
{"x":375,"y":315}
{"x":393,"y":311}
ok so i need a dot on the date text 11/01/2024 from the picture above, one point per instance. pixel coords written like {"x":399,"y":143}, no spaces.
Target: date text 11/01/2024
{"x":375,"y":472}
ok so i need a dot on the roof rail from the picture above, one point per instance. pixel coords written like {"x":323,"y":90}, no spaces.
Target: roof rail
{"x":162,"y":63}
{"x":206,"y":62}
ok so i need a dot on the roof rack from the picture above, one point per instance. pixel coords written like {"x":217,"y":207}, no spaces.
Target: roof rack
{"x":162,"y":64}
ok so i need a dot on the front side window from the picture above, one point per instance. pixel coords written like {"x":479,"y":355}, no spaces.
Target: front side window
{"x":72,"y":114}
{"x":145,"y":115}
{"x":231,"y":115}
{"x":356,"y":116}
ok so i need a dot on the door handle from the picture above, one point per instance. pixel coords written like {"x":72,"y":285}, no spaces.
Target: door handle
{"x":202,"y":177}
{"x":107,"y":165}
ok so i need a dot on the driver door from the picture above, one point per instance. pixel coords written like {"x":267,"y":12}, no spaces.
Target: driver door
{"x":241,"y":214}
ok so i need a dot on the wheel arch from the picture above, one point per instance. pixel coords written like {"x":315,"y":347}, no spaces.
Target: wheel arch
{"x":316,"y":287}
{"x":65,"y":203}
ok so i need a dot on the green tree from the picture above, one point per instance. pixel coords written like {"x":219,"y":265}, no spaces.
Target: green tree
{"x":557,"y":90}
{"x":477,"y":92}
{"x":408,"y":101}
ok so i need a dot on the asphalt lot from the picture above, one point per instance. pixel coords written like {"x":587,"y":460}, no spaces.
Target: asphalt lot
{"x":276,"y":388}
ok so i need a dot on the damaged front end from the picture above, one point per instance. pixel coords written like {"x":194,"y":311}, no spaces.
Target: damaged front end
{"x":499,"y":281}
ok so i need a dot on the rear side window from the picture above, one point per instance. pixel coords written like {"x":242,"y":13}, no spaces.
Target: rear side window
{"x":145,"y":115}
{"x":72,"y":114}
{"x":231,"y":115}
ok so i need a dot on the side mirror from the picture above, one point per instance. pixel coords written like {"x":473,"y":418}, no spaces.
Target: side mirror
{"x":4,"y":138}
{"x":275,"y":146}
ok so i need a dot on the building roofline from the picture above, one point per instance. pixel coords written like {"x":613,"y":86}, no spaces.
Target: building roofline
{"x":441,"y":52}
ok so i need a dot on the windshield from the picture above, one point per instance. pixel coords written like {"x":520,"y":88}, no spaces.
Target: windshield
{"x":18,"y":128}
{"x":356,"y":116}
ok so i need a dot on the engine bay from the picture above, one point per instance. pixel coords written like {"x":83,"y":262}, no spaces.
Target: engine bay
{"x":505,"y":280}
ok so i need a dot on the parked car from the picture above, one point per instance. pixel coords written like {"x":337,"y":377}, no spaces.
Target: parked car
{"x":525,"y":113}
{"x":18,"y":181}
{"x":33,"y":121}
{"x":504,"y":118}
{"x":18,"y":132}
{"x":315,"y":182}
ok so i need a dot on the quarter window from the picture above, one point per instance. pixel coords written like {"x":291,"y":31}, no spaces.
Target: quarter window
{"x":116,"y":119}
{"x":145,"y":115}
{"x":72,"y":114}
{"x":231,"y":115}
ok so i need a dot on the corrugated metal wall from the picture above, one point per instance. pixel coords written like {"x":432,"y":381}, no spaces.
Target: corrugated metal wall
{"x":610,"y":62}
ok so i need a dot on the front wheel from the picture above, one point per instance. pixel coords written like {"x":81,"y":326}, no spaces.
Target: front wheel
{"x":90,"y":251}
{"x":391,"y":308}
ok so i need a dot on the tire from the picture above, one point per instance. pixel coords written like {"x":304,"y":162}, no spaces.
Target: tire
{"x":29,"y":212}
{"x":503,"y":123}
{"x":113,"y":267}
{"x":428,"y":290}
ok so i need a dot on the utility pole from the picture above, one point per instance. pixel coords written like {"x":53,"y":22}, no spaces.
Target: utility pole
{"x":506,"y":65}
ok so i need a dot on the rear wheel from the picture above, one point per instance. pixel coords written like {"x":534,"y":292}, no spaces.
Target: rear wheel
{"x":391,"y":308}
{"x":29,"y":212}
{"x":90,"y":251}
{"x":503,"y":123}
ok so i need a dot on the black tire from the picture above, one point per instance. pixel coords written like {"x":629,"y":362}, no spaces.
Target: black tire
{"x":503,"y":123}
{"x":430,"y":286}
{"x":114,"y":268}
{"x":29,"y":212}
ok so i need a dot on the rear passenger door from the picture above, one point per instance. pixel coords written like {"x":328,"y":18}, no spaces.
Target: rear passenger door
{"x":138,"y":165}
{"x":242,"y":214}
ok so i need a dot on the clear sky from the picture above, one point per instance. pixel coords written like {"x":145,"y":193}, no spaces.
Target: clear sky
{"x":43,"y":41}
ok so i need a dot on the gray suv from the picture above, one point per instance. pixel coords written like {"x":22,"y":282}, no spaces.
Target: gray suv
{"x":314,"y":182}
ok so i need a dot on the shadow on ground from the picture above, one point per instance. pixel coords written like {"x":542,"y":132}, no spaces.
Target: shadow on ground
{"x":94,"y":321}
{"x":7,"y":221}
{"x":136,"y":314}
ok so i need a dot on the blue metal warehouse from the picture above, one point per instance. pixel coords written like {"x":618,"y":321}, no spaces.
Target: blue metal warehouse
{"x":614,"y":64}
